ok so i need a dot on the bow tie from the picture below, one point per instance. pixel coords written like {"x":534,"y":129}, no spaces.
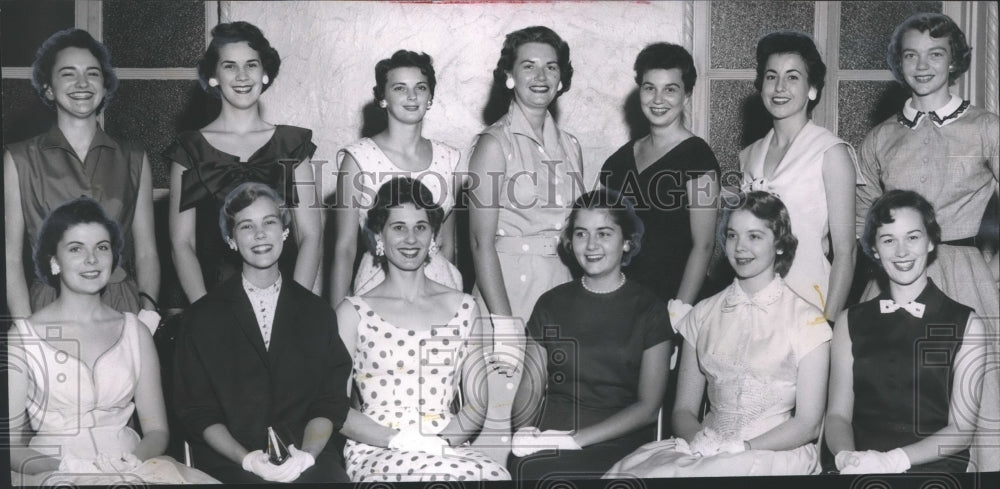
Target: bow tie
{"x":915,"y":309}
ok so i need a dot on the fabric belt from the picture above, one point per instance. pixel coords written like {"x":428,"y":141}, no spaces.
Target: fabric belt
{"x":528,"y":245}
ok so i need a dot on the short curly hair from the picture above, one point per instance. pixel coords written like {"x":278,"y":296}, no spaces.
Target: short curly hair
{"x":622,"y":212}
{"x":243,"y":196}
{"x":539,"y":34}
{"x":45,"y":60}
{"x":238,"y":31}
{"x":666,"y":56}
{"x":403,"y":59}
{"x":768,"y":208}
{"x":937,"y":25}
{"x":82,"y":210}
{"x":395,"y":193}
{"x":792,"y":42}
{"x":880,"y":213}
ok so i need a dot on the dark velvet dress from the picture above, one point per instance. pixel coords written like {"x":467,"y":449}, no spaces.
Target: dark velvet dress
{"x":903,"y":369}
{"x":211,"y":174}
{"x":594,"y":345}
{"x":660,"y":193}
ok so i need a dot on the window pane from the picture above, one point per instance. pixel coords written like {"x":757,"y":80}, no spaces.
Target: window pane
{"x":738,"y":118}
{"x":153,"y":112}
{"x":870,"y":103}
{"x":24,"y":114}
{"x":736,"y":27}
{"x":865,"y":29}
{"x":154,"y":34}
{"x":25,"y":24}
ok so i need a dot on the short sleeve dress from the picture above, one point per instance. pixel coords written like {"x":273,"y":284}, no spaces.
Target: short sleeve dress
{"x":377,"y":169}
{"x":540,"y":181}
{"x":81,"y":411}
{"x":749,"y":349}
{"x":594,"y":345}
{"x":408,"y":378}
{"x":50,"y":173}
{"x":210,"y":174}
{"x":893,"y":367}
{"x":952,"y":158}
{"x":660,"y":194}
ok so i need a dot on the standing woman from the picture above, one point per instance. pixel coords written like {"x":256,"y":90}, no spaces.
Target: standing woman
{"x":675,"y":178}
{"x":889,"y":409}
{"x":404,"y":88}
{"x":515,"y":222}
{"x":237,"y":147}
{"x":72,"y":72}
{"x":948,"y":151}
{"x":810,"y":168}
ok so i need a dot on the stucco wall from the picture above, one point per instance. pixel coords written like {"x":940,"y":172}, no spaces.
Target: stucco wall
{"x":329,"y":50}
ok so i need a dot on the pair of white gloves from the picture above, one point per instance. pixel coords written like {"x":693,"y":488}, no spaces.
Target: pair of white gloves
{"x":105,"y":463}
{"x":258,"y":463}
{"x":412,"y":439}
{"x":708,"y":442}
{"x":872,"y":462}
{"x":530,"y":439}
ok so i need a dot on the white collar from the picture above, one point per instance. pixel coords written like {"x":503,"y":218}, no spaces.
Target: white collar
{"x":944,"y":115}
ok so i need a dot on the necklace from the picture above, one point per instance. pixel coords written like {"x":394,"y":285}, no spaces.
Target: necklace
{"x":621,"y":281}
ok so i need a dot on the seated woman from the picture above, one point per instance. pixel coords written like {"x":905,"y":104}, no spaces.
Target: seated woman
{"x":879,"y":367}
{"x":261,"y":351}
{"x":761,"y":350}
{"x":600,"y":347}
{"x":413,"y":341}
{"x":78,"y":369}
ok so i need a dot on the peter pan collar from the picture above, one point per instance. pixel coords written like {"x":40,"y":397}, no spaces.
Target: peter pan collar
{"x":945,"y":115}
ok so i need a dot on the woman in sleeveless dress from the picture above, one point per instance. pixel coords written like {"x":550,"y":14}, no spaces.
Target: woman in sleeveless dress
{"x":811,"y":170}
{"x":72,"y":72}
{"x":78,"y":369}
{"x":761,"y":351}
{"x":948,"y":151}
{"x":906,"y":366}
{"x":413,"y":341}
{"x":404,"y":89}
{"x":237,"y":147}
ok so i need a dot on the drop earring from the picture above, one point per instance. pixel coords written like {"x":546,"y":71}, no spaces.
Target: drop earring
{"x":510,"y":83}
{"x":383,"y":104}
{"x":265,"y":80}
{"x":379,"y":248}
{"x":559,"y":86}
{"x":232,"y":245}
{"x":284,"y":234}
{"x":55,"y":267}
{"x":433,"y":250}
{"x":212,"y":82}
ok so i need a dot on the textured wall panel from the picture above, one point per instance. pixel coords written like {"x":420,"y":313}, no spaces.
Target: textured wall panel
{"x":879,"y":100}
{"x":153,"y":112}
{"x":865,"y":29}
{"x":329,"y":50}
{"x":144,"y":34}
{"x":738,"y":118}
{"x":736,"y":27}
{"x":25,"y":24}
{"x":24,"y":115}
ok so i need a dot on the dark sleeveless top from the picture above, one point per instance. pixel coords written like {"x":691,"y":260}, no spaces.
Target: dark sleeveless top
{"x":903,"y":373}
{"x":211,"y":174}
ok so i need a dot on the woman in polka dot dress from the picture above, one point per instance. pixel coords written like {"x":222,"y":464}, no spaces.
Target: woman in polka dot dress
{"x":413,"y":341}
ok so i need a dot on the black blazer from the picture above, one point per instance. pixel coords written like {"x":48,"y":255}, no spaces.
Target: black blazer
{"x":225,"y":375}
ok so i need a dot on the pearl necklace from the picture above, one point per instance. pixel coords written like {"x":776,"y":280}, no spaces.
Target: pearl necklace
{"x":621,"y":281}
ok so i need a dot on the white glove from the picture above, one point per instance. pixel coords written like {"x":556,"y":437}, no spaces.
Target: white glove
{"x":300,"y":460}
{"x":257,"y":463}
{"x":873,"y":462}
{"x":708,"y":442}
{"x":677,"y":310}
{"x":121,"y":463}
{"x":78,"y":466}
{"x":410,"y":439}
{"x":681,"y":445}
{"x":150,"y":318}
{"x":531,"y":441}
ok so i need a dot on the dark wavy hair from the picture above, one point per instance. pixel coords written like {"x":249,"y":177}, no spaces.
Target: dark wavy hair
{"x":238,"y":31}
{"x":403,"y":59}
{"x":880,"y":213}
{"x":82,"y":210}
{"x":242,"y":197}
{"x":665,"y":56}
{"x":937,"y":25}
{"x":768,"y":208}
{"x":395,"y":193}
{"x":792,"y":42}
{"x":45,"y":60}
{"x":539,"y":34}
{"x":622,"y":212}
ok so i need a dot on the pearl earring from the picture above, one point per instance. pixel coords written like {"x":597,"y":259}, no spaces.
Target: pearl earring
{"x":55,"y":267}
{"x":429,"y":103}
{"x":379,"y":248}
{"x":212,"y":82}
{"x":284,"y":234}
{"x":433,"y":250}
{"x":265,"y":80}
{"x":383,"y":104}
{"x":510,"y":83}
{"x":812,"y":94}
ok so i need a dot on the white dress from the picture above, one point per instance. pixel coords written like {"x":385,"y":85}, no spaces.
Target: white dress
{"x":377,"y":169}
{"x":82,"y":413}
{"x":749,"y":349}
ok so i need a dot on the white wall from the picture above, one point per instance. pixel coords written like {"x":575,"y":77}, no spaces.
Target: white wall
{"x":329,"y":50}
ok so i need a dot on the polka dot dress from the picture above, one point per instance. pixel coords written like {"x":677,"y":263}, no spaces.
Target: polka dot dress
{"x":408,"y":378}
